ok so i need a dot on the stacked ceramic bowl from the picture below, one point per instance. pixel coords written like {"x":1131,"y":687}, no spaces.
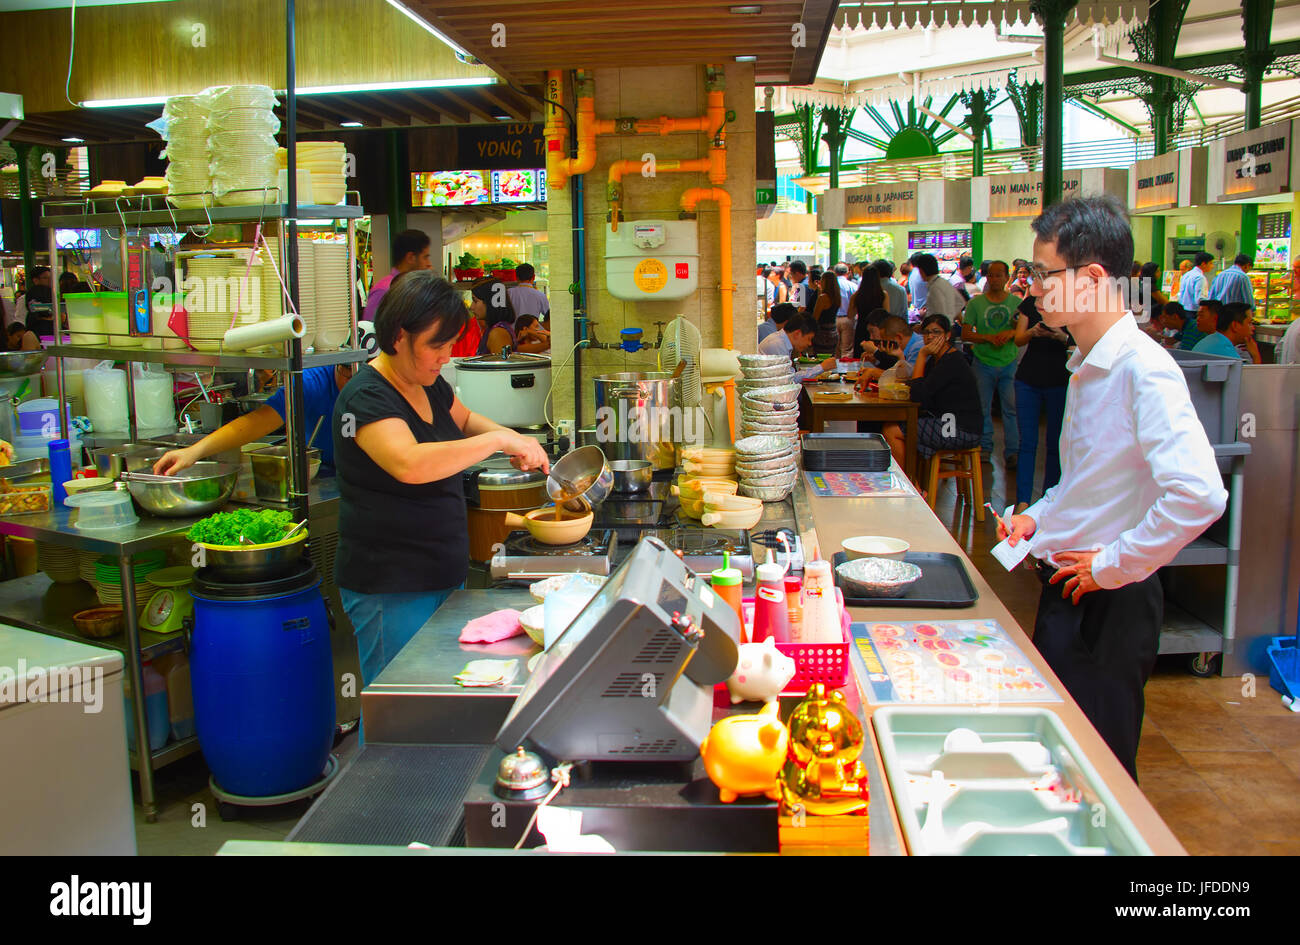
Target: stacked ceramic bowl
{"x":244,"y":290}
{"x":59,"y":564}
{"x":769,"y":397}
{"x":766,"y":467}
{"x":188,"y":177}
{"x":333,"y":314}
{"x":108,"y":581}
{"x":325,"y":160}
{"x":241,"y":145}
{"x":307,"y":288}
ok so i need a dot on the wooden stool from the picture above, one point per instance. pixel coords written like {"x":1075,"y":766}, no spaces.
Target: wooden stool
{"x":965,"y":468}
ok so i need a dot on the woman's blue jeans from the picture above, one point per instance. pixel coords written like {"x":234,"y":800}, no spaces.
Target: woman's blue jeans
{"x":384,"y":623}
{"x":1032,"y":403}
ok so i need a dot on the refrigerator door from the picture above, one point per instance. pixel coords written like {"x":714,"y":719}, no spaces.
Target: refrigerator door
{"x":67,"y":787}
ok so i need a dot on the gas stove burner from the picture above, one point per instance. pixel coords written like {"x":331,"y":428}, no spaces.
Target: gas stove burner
{"x":522,"y":544}
{"x":702,"y":548}
{"x":523,"y":558}
{"x":617,"y":511}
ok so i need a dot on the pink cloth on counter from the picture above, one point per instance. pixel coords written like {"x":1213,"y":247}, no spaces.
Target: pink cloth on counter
{"x":492,"y":628}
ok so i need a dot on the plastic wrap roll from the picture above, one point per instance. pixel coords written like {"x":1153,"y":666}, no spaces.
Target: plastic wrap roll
{"x":265,"y":333}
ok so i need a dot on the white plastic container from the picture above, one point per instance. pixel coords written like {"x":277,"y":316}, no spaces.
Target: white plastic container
{"x":38,"y":447}
{"x":821,"y":611}
{"x":154,"y":402}
{"x":105,"y":393}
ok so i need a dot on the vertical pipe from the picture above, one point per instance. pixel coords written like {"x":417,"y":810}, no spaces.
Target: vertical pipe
{"x":397,"y":193}
{"x":577,"y":210}
{"x":135,"y":673}
{"x":58,"y":323}
{"x":25,"y":216}
{"x":293,"y":400}
{"x":1053,"y":14}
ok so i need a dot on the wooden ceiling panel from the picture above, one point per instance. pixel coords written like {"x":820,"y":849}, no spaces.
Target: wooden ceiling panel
{"x":571,"y":34}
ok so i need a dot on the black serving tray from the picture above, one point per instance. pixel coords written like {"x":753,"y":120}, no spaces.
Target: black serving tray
{"x":845,"y":452}
{"x":944,"y":583}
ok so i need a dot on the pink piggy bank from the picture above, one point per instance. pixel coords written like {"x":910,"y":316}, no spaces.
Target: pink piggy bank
{"x":762,"y":671}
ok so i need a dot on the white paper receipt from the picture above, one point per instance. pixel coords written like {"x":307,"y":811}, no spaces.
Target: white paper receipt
{"x":1007,"y":555}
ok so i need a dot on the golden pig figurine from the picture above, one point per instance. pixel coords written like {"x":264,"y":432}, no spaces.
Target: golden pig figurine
{"x":743,"y":754}
{"x":823,"y":772}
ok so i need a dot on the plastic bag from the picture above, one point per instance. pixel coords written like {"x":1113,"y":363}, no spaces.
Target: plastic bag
{"x":244,"y":120}
{"x":224,"y":97}
{"x":104,"y":389}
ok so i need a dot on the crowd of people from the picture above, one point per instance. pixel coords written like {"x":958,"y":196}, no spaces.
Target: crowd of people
{"x":888,"y":318}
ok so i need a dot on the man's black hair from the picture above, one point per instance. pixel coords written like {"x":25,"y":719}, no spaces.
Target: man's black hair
{"x":1202,"y":258}
{"x":1089,"y":230}
{"x":884,"y":267}
{"x":804,"y":323}
{"x":525,"y":272}
{"x":797,"y":265}
{"x":408,"y":241}
{"x":782,"y":312}
{"x":1232,"y":313}
{"x":1214,"y":305}
{"x":1175,"y":308}
{"x":1244,"y":260}
{"x":926,"y":262}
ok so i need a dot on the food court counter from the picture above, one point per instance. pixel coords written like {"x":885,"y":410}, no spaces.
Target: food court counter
{"x":911,"y":519}
{"x":429,"y":741}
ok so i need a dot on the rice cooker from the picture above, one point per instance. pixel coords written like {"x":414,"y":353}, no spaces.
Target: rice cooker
{"x":510,"y":389}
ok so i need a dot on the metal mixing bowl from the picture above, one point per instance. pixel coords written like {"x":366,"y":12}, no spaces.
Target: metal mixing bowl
{"x":22,"y":363}
{"x":248,"y":563}
{"x":584,"y":467}
{"x":202,"y":488}
{"x":877,"y":577}
{"x":632,"y":475}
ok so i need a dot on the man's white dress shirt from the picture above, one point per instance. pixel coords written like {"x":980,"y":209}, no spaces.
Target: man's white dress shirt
{"x":1138,"y":474}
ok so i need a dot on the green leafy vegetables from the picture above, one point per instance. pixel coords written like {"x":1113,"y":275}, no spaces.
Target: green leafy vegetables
{"x":260,"y":526}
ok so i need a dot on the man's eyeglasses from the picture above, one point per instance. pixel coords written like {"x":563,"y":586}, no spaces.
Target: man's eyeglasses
{"x":933,"y":333}
{"x":1040,"y":274}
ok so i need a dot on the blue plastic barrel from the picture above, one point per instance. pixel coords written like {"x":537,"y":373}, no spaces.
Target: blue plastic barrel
{"x":263,"y":681}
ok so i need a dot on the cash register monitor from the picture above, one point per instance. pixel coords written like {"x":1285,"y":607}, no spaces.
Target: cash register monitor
{"x":622,"y":683}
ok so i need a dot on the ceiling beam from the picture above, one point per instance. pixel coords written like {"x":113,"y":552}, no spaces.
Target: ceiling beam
{"x":420,"y":107}
{"x":509,"y":104}
{"x":471,"y":107}
{"x":448,"y":109}
{"x":1185,"y":63}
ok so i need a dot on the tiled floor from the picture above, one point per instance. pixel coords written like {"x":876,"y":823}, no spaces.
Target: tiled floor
{"x":1221,"y":765}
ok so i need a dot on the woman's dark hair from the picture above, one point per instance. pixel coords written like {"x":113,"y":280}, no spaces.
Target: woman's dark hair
{"x":936,"y":319}
{"x":884,"y":267}
{"x":1089,"y":230}
{"x":416,"y":300}
{"x":869,"y":297}
{"x":831,"y":289}
{"x":1150,"y":270}
{"x":16,"y":328}
{"x":488,"y":292}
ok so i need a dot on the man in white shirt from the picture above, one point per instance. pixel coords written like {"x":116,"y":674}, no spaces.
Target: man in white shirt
{"x":940,"y":297}
{"x":526,"y":298}
{"x":794,"y":339}
{"x":1138,"y":478}
{"x":895,"y":297}
{"x":1288,"y":349}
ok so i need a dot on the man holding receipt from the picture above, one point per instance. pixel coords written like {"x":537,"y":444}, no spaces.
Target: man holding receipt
{"x":1138,"y":475}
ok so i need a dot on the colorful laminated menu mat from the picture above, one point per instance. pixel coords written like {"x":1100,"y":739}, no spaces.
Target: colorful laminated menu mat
{"x":947,"y":661}
{"x":858,"y":484}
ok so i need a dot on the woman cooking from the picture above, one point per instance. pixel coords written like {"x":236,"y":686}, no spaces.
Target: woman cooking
{"x":401,"y":442}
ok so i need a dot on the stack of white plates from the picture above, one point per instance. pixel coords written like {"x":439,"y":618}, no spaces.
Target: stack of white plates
{"x":86,"y":565}
{"x":110,"y":595}
{"x":333,"y":315}
{"x":60,"y":564}
{"x":241,"y":145}
{"x":244,"y":290}
{"x":766,"y":467}
{"x":325,"y":160}
{"x":210,"y":300}
{"x":307,"y":288}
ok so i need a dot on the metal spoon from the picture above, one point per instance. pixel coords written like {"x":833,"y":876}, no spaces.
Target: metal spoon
{"x":296,"y":529}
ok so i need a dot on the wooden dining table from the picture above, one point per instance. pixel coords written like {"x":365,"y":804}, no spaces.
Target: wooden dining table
{"x":820,"y":402}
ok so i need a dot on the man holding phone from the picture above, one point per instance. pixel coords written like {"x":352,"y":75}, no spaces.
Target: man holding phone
{"x":1138,"y":479}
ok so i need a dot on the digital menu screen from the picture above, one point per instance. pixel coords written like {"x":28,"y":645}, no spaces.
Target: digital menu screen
{"x":450,"y":189}
{"x":938,"y":239}
{"x":521,"y":186}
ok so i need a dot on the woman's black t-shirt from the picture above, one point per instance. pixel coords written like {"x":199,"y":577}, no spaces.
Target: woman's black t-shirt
{"x":396,"y":537}
{"x":949,"y":387}
{"x":1043,"y":364}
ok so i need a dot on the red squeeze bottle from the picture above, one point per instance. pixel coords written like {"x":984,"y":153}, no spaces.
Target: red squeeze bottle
{"x":771,"y":617}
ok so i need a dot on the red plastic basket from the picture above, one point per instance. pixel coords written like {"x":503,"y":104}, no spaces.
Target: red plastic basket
{"x":826,"y":663}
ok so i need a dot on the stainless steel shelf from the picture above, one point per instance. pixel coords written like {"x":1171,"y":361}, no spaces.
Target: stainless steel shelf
{"x":1201,"y":550}
{"x":37,"y":603}
{"x":236,"y":362}
{"x":154,"y":211}
{"x":1183,"y":633}
{"x":172,"y":751}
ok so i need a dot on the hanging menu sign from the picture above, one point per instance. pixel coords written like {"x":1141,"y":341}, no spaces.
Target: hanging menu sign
{"x":938,"y":239}
{"x":1156,"y":182}
{"x":1015,"y":196}
{"x":880,"y":204}
{"x":1257,"y":163}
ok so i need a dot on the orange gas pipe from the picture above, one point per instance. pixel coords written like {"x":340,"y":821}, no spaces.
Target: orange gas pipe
{"x":559,"y":167}
{"x":690,"y":200}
